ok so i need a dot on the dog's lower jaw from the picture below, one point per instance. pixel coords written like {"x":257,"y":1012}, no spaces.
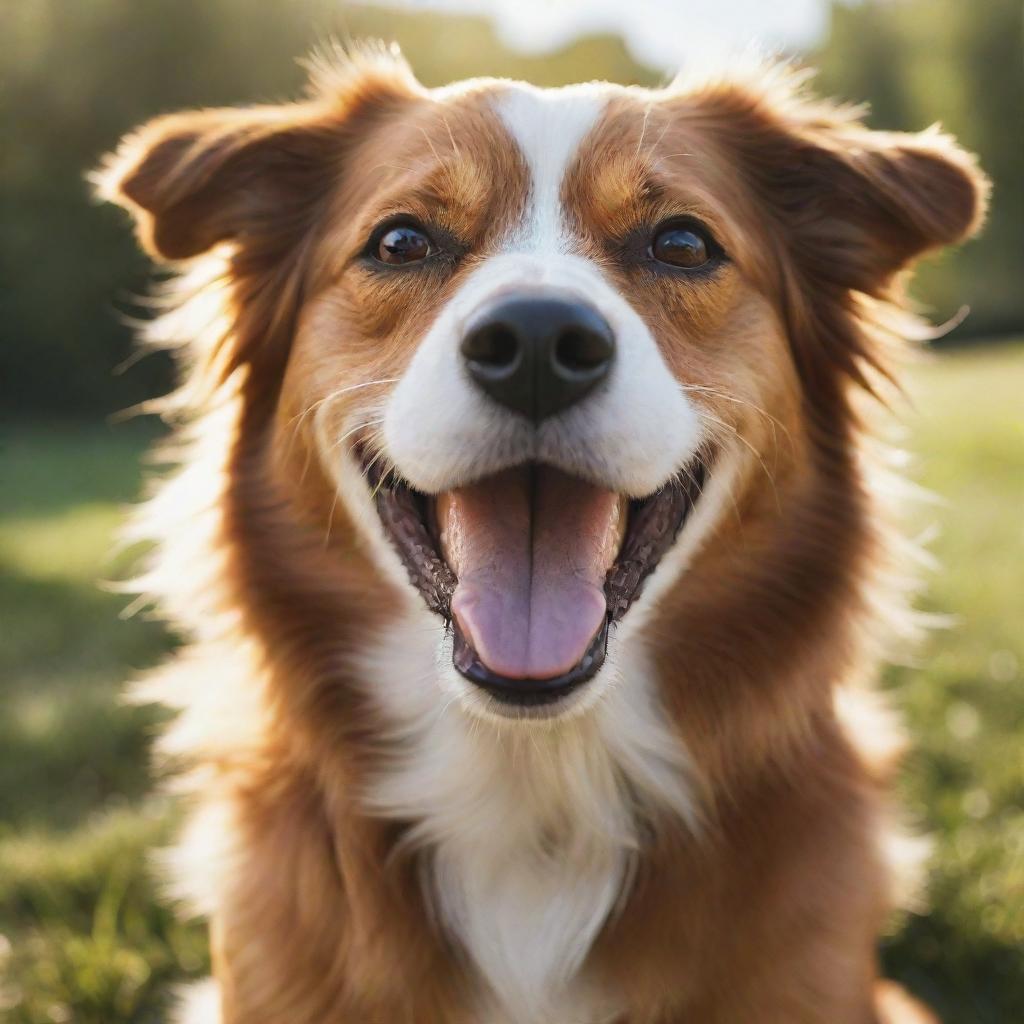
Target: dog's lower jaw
{"x":530,"y":832}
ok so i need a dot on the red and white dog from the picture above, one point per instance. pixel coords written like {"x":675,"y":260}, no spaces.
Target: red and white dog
{"x":527,"y":546}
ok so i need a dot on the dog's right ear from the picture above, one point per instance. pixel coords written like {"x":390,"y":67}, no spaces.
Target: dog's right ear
{"x":252,"y":176}
{"x":195,"y":179}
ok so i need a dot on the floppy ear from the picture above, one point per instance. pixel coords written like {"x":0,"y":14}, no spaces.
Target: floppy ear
{"x":195,"y":179}
{"x":855,"y":206}
{"x":862,"y":205}
{"x":253,"y":174}
{"x":841,"y":211}
{"x":257,"y":179}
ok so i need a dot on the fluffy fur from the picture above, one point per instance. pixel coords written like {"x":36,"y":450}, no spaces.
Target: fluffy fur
{"x":703,"y":835}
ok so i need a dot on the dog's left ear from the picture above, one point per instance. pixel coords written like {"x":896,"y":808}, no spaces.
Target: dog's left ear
{"x":855,"y":206}
{"x":871,"y":203}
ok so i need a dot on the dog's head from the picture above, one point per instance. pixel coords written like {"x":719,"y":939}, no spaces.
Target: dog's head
{"x":539,"y":338}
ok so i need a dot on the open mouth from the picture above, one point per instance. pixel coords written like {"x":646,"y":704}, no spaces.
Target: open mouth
{"x":530,"y":568}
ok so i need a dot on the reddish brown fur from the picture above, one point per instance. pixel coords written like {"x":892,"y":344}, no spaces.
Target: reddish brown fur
{"x":315,"y":916}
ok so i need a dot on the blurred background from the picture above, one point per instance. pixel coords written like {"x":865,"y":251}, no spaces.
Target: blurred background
{"x":83,"y":935}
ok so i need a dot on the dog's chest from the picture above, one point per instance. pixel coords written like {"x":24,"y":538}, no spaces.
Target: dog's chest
{"x":529,"y":835}
{"x":528,"y":843}
{"x":525,"y":900}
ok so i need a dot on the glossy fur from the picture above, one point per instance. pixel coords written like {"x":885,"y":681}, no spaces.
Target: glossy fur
{"x":704,"y":835}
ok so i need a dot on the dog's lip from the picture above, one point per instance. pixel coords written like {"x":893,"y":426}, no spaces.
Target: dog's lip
{"x":528,"y":692}
{"x":409,"y":520}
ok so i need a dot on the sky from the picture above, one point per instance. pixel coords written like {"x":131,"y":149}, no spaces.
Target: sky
{"x":664,"y":34}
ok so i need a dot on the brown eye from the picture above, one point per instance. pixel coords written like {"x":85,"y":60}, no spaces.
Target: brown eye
{"x":403,"y":244}
{"x":683,"y":247}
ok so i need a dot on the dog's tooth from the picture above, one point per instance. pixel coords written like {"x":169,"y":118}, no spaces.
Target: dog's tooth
{"x":442,"y":507}
{"x":615,"y":532}
{"x":619,"y":526}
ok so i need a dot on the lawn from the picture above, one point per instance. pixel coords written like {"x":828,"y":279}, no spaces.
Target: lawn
{"x":83,"y":935}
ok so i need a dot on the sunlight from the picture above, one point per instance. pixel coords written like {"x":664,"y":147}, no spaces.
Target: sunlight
{"x":665,"y":34}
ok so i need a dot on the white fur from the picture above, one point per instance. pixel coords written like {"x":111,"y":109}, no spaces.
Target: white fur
{"x":528,"y":830}
{"x":198,"y":1003}
{"x":630,"y":435}
{"x":548,"y":126}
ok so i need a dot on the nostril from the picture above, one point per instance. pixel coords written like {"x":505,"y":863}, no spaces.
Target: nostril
{"x":537,"y":354}
{"x":580,"y":350}
{"x":494,"y":345}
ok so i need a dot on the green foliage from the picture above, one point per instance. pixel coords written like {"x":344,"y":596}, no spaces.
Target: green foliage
{"x":921,"y":62}
{"x":96,"y":945}
{"x":965,"y":778}
{"x":84,"y":936}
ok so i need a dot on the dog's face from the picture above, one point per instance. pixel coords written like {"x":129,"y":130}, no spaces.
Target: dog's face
{"x":536,"y":331}
{"x":545,"y":290}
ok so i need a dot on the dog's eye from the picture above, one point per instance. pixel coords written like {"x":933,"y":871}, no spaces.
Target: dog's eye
{"x":682,"y":245}
{"x":403,"y":243}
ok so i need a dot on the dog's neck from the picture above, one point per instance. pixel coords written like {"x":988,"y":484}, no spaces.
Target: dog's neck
{"x":528,"y":832}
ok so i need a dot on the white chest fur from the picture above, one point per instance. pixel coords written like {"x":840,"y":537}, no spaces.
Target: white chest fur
{"x":529,"y":829}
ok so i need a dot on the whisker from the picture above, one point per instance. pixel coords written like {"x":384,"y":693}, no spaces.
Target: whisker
{"x":340,"y":391}
{"x":775,"y":423}
{"x":700,"y":490}
{"x":651,"y":150}
{"x":430,"y":143}
{"x":295,"y":423}
{"x":383,"y":477}
{"x":330,"y":450}
{"x":643,"y":130}
{"x":392,"y":166}
{"x":330,"y":519}
{"x":355,"y":430}
{"x":757,"y":455}
{"x":451,"y":137}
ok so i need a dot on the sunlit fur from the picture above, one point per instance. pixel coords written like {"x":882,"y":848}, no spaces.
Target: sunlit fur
{"x":704,"y":833}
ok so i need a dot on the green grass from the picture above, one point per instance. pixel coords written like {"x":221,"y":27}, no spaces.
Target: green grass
{"x":964,"y":697}
{"x":83,"y":935}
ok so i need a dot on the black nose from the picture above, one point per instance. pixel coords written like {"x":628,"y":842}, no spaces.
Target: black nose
{"x":538,"y":356}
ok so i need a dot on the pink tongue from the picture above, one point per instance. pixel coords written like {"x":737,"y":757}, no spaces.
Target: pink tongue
{"x":531,"y":548}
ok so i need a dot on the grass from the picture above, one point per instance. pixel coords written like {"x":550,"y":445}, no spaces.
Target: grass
{"x":83,"y":934}
{"x":964,"y":699}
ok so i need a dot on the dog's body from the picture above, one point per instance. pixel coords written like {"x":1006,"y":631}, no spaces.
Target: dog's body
{"x":606,"y":759}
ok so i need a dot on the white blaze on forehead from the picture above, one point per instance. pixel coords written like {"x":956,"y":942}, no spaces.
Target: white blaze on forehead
{"x":548,"y":126}
{"x":634,"y":432}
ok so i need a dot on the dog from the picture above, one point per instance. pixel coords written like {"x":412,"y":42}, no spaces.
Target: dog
{"x":529,"y":546}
